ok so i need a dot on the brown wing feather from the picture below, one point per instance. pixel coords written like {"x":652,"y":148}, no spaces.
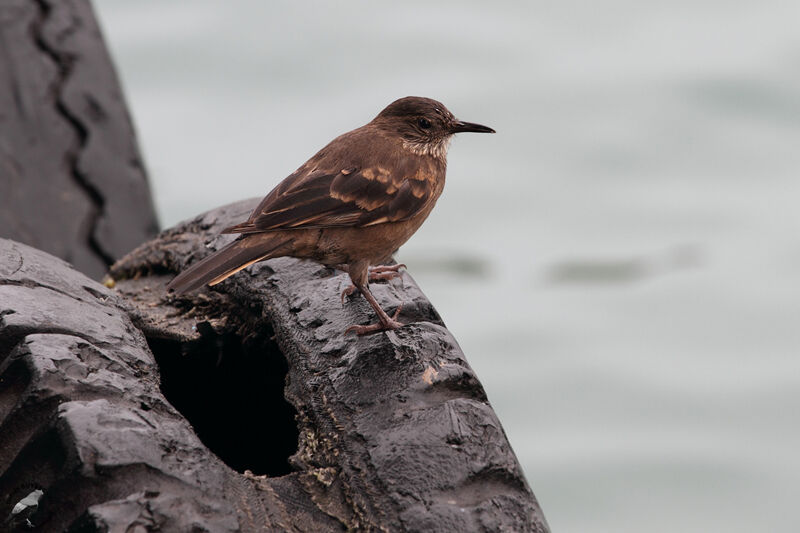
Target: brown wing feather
{"x":350,"y":196}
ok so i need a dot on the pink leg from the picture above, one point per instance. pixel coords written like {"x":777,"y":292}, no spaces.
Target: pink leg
{"x":384,"y":272}
{"x":359,"y":276}
{"x":385,"y":322}
{"x":377,"y":273}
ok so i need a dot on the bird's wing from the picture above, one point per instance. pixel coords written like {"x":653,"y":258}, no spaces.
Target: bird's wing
{"x":348,"y":197}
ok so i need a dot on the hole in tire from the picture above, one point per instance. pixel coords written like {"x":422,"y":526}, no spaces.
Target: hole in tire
{"x":230,"y":389}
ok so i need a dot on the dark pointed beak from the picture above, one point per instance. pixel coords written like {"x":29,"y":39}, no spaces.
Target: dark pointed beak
{"x":460,"y":126}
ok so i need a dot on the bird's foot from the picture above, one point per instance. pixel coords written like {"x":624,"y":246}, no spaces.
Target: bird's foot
{"x":377,"y":273}
{"x":349,"y":291}
{"x":385,"y":324}
{"x":385,"y":272}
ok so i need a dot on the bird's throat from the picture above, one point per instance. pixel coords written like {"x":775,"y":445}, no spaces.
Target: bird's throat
{"x":437,"y":149}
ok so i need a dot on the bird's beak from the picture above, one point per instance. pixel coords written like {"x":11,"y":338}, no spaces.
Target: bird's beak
{"x":461,"y":126}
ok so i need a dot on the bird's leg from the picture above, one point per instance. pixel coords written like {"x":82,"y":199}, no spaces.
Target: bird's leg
{"x":386,"y":322}
{"x":376,"y":273}
{"x":358,"y":274}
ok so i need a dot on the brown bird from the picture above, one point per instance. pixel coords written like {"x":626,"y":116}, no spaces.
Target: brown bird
{"x":351,"y":205}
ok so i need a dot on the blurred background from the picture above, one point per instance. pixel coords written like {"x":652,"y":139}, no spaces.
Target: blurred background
{"x":620,"y":262}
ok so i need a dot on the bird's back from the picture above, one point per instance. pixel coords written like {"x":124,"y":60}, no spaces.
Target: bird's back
{"x":361,"y":178}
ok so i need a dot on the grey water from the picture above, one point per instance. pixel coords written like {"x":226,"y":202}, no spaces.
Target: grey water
{"x":620,"y":262}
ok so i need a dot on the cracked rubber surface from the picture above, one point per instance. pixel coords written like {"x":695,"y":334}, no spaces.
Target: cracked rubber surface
{"x":81,"y":414}
{"x":71,"y":178}
{"x":396,"y":433}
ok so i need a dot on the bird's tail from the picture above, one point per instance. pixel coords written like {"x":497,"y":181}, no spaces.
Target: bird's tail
{"x":228,"y":260}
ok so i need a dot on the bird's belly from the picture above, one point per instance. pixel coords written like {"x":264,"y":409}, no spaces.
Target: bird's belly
{"x":373,"y":244}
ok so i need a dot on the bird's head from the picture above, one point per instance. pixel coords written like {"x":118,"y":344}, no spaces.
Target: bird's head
{"x":424,"y":125}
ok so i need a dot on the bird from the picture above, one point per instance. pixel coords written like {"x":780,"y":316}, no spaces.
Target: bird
{"x":350,"y":206}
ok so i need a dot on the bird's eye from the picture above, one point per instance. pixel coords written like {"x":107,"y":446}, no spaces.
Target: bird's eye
{"x":424,"y":123}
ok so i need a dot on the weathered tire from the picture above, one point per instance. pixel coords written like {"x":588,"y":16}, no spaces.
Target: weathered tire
{"x":395,"y":427}
{"x":81,"y":414}
{"x":394,"y":430}
{"x":72,"y":181}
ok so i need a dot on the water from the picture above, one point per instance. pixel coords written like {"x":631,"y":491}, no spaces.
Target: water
{"x":620,"y":263}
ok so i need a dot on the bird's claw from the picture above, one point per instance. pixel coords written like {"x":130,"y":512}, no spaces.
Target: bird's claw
{"x":383,"y":276}
{"x":385,"y":272}
{"x":348,"y":292}
{"x":377,"y":273}
{"x":390,"y":324}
